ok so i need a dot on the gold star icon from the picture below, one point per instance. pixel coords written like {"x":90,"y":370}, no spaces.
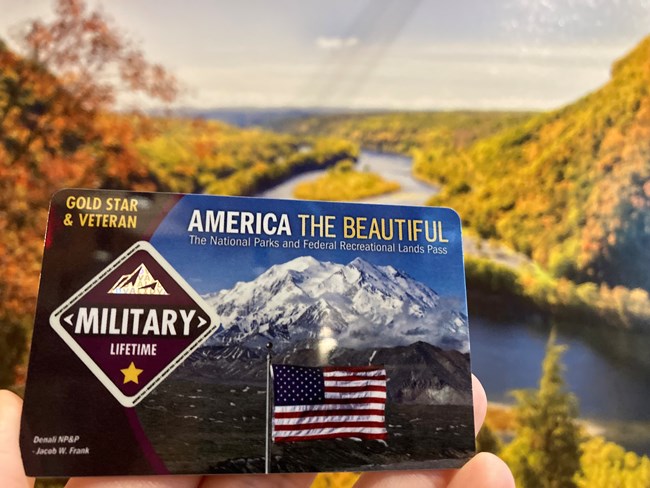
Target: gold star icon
{"x":131,"y":373}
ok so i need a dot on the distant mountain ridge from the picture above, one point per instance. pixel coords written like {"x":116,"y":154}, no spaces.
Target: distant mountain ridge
{"x":354,"y":305}
{"x":419,"y":373}
{"x":257,"y":116}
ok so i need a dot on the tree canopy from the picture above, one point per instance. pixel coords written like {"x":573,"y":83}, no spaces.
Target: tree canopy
{"x":545,"y":452}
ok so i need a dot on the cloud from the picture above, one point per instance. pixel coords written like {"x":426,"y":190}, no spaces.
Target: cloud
{"x":336,"y":43}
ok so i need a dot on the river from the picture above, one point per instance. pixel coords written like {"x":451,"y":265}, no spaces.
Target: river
{"x":607,"y":369}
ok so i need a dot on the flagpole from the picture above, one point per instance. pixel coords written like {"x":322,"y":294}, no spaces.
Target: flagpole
{"x":267,"y":462}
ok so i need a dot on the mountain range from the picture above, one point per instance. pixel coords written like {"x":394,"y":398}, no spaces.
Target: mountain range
{"x":317,"y":313}
{"x":356,"y":305}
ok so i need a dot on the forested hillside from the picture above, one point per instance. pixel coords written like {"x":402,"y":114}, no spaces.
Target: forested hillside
{"x":208,"y":156}
{"x":48,"y":140}
{"x":51,"y":139}
{"x":570,"y":188}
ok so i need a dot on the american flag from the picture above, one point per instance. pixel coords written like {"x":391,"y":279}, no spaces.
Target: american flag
{"x":328,"y":402}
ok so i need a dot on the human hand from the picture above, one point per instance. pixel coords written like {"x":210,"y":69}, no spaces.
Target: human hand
{"x":484,"y":470}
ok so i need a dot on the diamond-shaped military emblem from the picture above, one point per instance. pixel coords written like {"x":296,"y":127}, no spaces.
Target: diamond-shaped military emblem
{"x":134,"y":323}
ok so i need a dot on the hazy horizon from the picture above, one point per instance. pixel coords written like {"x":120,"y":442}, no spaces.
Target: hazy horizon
{"x":374,"y":54}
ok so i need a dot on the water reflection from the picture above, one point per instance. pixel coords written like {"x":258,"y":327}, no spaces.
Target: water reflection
{"x":607,"y":369}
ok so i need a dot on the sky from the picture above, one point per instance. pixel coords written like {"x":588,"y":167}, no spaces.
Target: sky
{"x":359,"y":54}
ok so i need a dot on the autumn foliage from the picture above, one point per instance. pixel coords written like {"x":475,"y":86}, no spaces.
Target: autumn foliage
{"x":569,"y":188}
{"x":551,"y":447}
{"x":405,"y":132}
{"x":53,"y":134}
{"x":344,"y":182}
{"x":200,"y":156}
{"x":57,"y":130}
{"x":93,"y":59}
{"x":48,"y":140}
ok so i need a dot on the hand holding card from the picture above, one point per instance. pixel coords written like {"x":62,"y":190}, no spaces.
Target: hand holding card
{"x":207,"y":335}
{"x":485,"y":470}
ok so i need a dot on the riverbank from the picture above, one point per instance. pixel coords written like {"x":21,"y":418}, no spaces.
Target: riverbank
{"x":505,"y":292}
{"x":607,"y":366}
{"x":501,"y":418}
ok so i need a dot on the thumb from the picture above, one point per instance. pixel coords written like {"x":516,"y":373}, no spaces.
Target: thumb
{"x":12,"y":473}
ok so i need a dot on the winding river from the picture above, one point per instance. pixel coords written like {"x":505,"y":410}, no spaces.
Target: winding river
{"x":607,"y":369}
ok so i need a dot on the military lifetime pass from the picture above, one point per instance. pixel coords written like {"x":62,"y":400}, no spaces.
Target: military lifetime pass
{"x":206,"y":334}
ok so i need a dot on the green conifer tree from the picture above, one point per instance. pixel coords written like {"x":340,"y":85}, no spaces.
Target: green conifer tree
{"x":545,"y":452}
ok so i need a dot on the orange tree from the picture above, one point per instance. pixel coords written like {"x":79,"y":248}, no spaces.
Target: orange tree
{"x":56,"y":131}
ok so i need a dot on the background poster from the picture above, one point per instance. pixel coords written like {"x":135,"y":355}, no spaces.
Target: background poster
{"x":530,"y":119}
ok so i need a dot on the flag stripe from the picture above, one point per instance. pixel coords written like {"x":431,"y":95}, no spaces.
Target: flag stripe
{"x":330,"y":436}
{"x":352,"y":372}
{"x":364,"y":376}
{"x":353,"y":377}
{"x":337,"y":425}
{"x":342,"y":401}
{"x":332,"y":407}
{"x":369,"y":382}
{"x":329,"y":418}
{"x":331,"y":430}
{"x":354,"y":389}
{"x":377,"y":395}
{"x":321,"y":411}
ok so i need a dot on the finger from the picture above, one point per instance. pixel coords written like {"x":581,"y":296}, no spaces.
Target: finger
{"x":480,"y":404}
{"x":404,"y":479}
{"x":485,"y":469}
{"x":428,"y":479}
{"x":12,"y":473}
{"x":136,"y":482}
{"x":259,"y":481}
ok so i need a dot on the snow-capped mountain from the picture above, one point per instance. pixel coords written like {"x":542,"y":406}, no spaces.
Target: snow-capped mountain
{"x":138,"y":282}
{"x":354,"y":305}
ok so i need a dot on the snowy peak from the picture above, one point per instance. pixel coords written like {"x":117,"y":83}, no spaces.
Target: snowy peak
{"x":353,"y":305}
{"x":301,"y":265}
{"x":138,"y":282}
{"x":299,"y":270}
